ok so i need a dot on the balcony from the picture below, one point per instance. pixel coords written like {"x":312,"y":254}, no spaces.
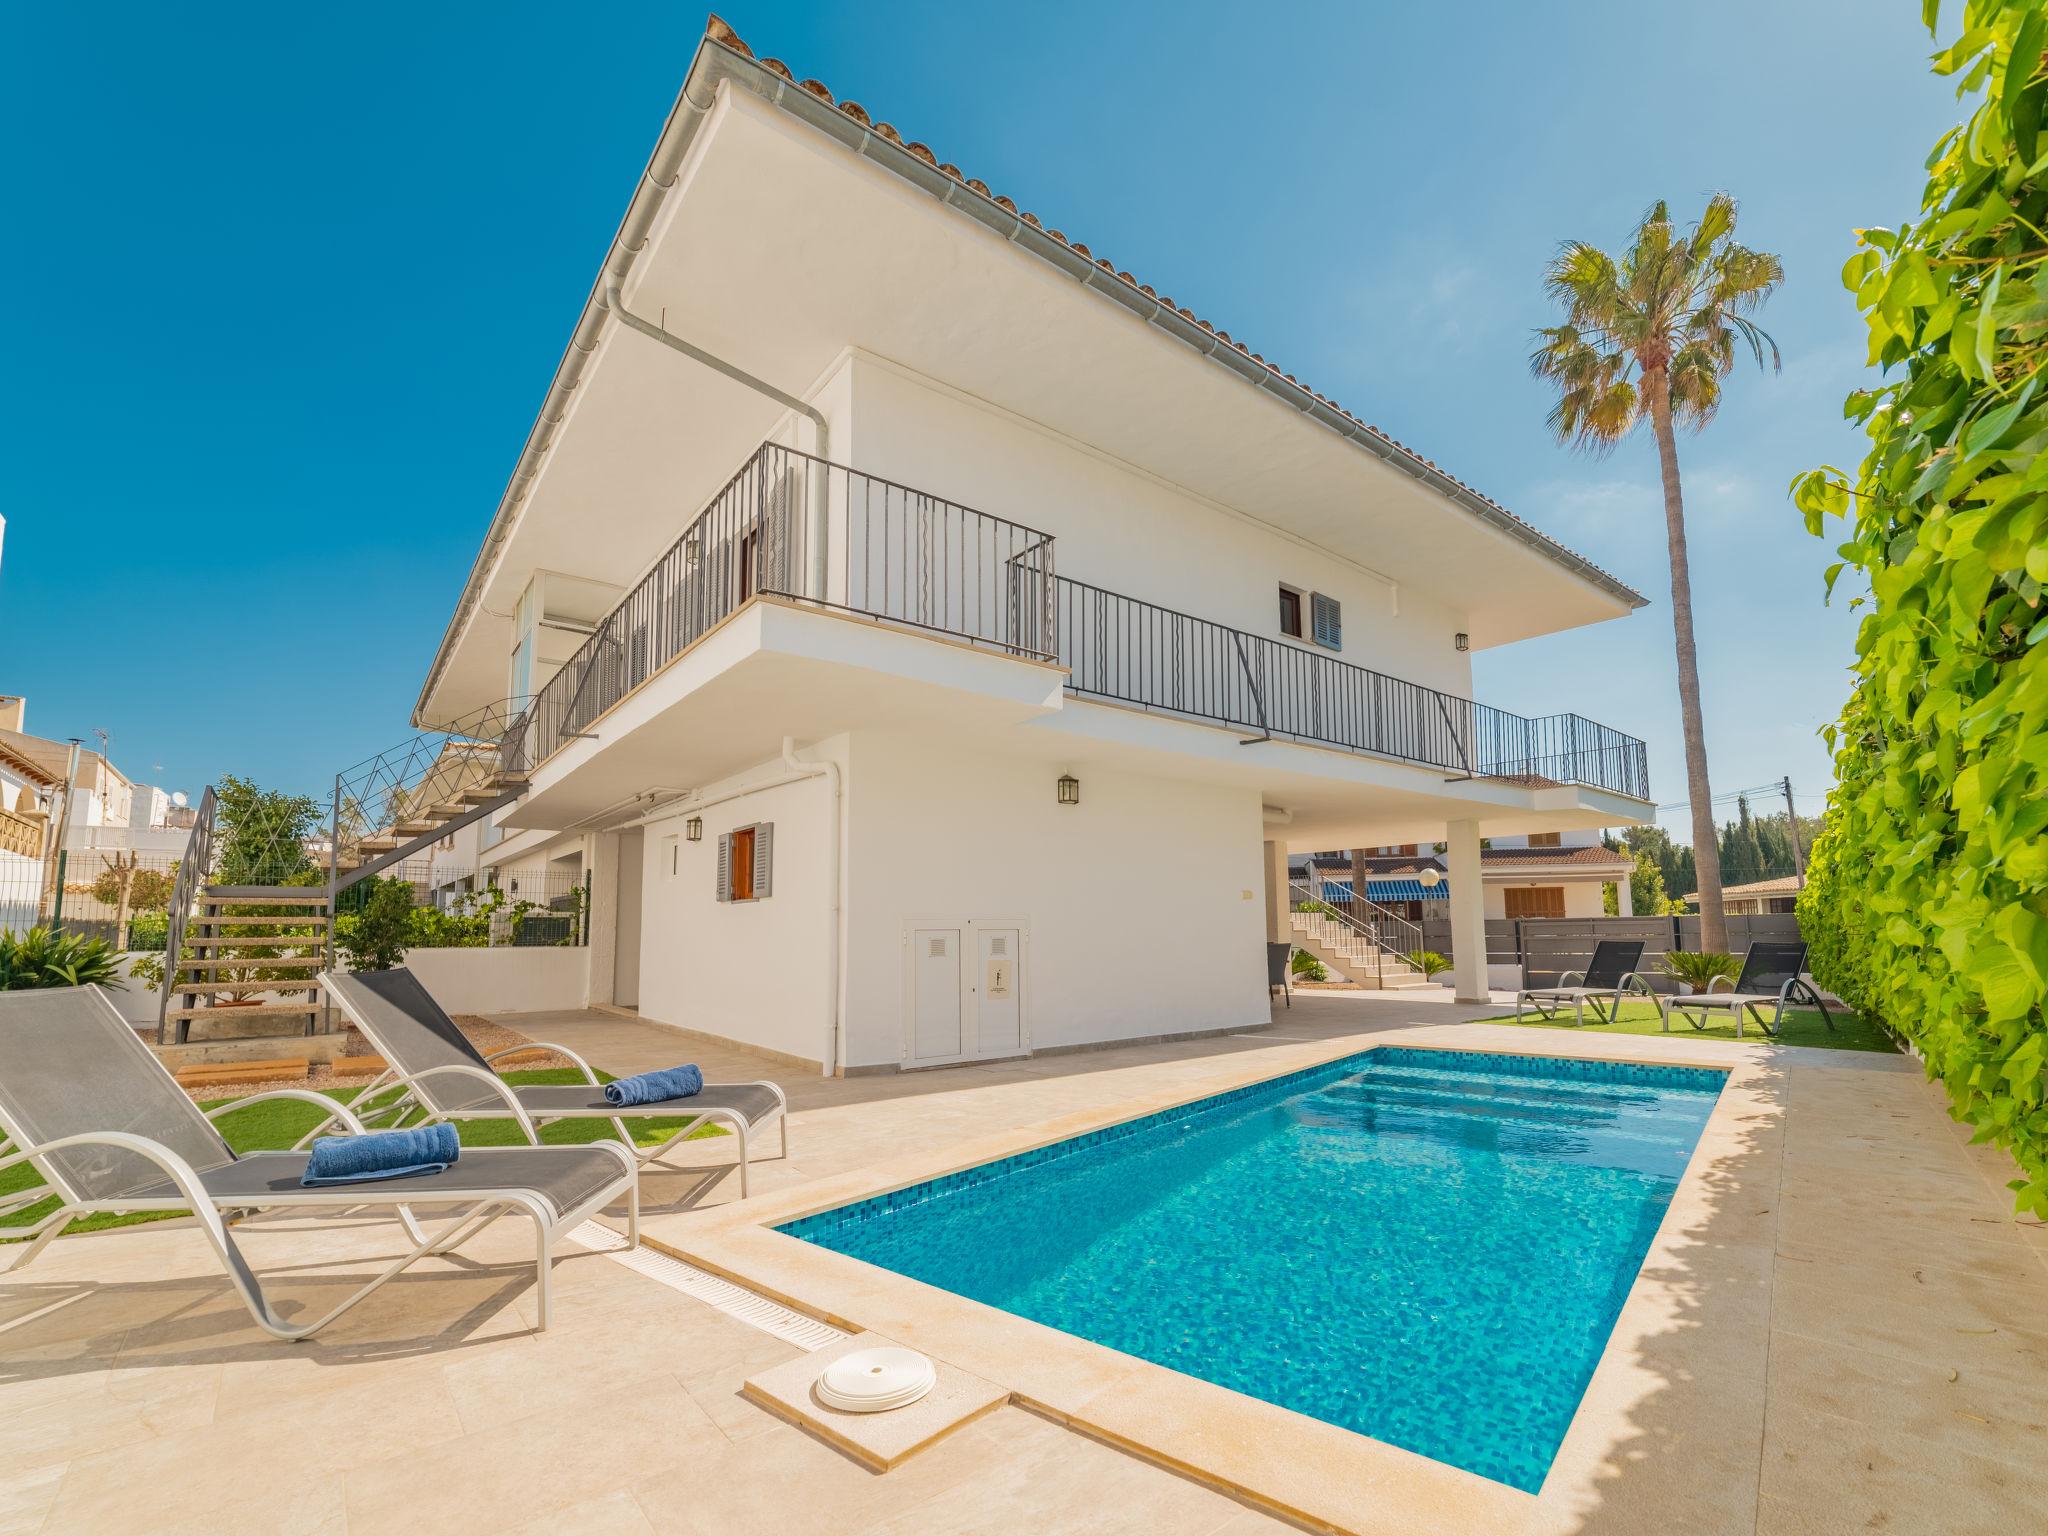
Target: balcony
{"x":819,"y":535}
{"x":893,"y":555}
{"x":1125,"y":651}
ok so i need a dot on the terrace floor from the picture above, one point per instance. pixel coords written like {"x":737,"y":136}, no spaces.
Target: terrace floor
{"x":1847,"y":1331}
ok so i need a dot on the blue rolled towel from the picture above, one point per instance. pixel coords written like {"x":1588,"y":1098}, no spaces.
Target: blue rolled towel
{"x":381,"y":1155}
{"x":654,"y":1087}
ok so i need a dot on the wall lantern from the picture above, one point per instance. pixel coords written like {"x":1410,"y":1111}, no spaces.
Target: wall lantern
{"x":1462,"y":641}
{"x":693,"y":551}
{"x":1070,"y":790}
{"x":694,"y":829}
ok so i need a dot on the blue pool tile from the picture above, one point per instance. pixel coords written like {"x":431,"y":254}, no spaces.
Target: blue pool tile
{"x":1429,"y":1247}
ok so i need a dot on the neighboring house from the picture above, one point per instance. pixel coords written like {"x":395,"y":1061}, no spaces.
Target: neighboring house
{"x":1538,"y":874}
{"x":1755,"y":898}
{"x":27,"y":792}
{"x":946,"y":669}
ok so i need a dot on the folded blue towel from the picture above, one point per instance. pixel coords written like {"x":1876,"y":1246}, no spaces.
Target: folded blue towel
{"x":654,"y":1087}
{"x":381,"y":1155}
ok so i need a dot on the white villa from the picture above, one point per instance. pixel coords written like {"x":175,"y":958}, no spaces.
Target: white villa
{"x":936,"y":638}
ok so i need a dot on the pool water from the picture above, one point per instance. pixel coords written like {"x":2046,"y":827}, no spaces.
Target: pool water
{"x":1428,"y":1247}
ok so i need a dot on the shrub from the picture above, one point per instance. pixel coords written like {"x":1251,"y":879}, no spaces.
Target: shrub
{"x":1429,"y":962}
{"x":1308,"y":967}
{"x":149,"y":930}
{"x":1927,"y":906}
{"x":1698,"y":969}
{"x":43,"y":957}
{"x":376,"y":936}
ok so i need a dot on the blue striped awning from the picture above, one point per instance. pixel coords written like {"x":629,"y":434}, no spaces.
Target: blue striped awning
{"x":1389,"y":890}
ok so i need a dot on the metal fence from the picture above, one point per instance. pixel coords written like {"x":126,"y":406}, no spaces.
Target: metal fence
{"x":470,"y":908}
{"x":892,"y":554}
{"x":78,"y":890}
{"x":1133,"y":652}
{"x":1546,"y":947}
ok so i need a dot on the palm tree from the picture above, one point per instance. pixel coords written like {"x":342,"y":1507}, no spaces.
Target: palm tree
{"x":1651,"y":337}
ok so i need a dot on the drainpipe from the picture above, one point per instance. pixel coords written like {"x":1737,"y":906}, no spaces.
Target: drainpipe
{"x":834,"y":943}
{"x":821,"y":434}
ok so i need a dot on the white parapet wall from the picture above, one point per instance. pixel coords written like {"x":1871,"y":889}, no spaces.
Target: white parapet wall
{"x":509,"y":979}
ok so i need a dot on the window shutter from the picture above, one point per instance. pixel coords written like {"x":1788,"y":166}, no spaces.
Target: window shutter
{"x":764,"y":858}
{"x":1328,"y":617}
{"x":725,"y":866}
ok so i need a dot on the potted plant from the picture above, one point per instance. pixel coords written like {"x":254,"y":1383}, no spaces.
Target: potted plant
{"x":1429,"y":962}
{"x":1695,"y":970}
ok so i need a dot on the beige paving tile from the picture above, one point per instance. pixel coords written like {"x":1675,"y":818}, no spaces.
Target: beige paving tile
{"x":263,"y":1457}
{"x":26,"y":1494}
{"x":1871,"y":1478}
{"x":616,"y":1513}
{"x":541,"y":1457}
{"x":1998,"y":1408}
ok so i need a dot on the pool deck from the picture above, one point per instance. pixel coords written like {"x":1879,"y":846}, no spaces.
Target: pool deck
{"x":1839,"y":1328}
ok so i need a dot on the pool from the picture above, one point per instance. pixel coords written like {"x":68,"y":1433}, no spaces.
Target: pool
{"x":1427,"y":1247}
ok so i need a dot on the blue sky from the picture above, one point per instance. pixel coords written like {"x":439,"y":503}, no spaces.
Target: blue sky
{"x":285,"y":287}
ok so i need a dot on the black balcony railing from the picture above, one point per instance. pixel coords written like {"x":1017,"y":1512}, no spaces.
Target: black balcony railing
{"x":1132,"y":652}
{"x":902,"y":557}
{"x":893,"y":554}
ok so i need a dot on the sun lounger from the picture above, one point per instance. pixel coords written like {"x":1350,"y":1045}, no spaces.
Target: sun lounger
{"x":1772,"y":977}
{"x":451,"y":1080}
{"x":102,"y":1120}
{"x":1601,"y":985}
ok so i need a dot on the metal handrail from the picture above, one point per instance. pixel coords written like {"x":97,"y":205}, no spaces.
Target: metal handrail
{"x":193,"y":868}
{"x":790,"y":525}
{"x":1130,"y":651}
{"x":1375,"y":927}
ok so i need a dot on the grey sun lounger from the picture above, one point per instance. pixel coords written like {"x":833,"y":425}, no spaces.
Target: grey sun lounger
{"x":1603,"y":984}
{"x":449,"y":1079}
{"x":1773,"y":976}
{"x":102,"y":1120}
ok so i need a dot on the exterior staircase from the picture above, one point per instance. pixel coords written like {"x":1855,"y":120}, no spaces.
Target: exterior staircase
{"x":244,"y":960}
{"x":1370,"y":951}
{"x":255,"y":969}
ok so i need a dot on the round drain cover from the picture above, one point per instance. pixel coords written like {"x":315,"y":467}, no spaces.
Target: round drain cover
{"x":871,"y":1380}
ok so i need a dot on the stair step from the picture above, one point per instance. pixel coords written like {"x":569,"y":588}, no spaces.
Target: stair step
{"x":224,"y":963}
{"x":264,"y":896}
{"x":243,"y":988}
{"x":210,"y":941}
{"x":253,"y":1011}
{"x":252,"y":920}
{"x":378,"y":844}
{"x":413,"y":826}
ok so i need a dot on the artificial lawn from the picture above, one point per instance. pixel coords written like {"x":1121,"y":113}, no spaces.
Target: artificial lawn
{"x":276,"y":1124}
{"x":1802,"y":1026}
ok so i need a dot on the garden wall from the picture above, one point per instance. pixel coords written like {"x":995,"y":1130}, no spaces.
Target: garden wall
{"x":1545,"y":947}
{"x":508,"y":979}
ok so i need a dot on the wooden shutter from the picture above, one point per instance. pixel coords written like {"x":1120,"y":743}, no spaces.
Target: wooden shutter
{"x":725,"y":866}
{"x":1535,"y":901}
{"x":764,"y":858}
{"x":1327,"y":614}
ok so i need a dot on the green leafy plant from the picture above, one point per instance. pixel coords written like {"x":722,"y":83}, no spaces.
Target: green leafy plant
{"x":381,"y":930}
{"x":1429,"y":962}
{"x":44,"y":957}
{"x":260,"y":834}
{"x":1926,"y":904}
{"x":1698,"y":969}
{"x":1308,"y":967}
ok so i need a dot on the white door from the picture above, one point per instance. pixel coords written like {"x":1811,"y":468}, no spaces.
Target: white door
{"x":998,"y":1015}
{"x":935,"y":994}
{"x":626,"y":955}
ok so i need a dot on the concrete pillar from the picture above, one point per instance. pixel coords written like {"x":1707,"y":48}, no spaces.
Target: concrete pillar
{"x":601,"y":861}
{"x":1279,"y":926}
{"x":1624,"y":897}
{"x":1468,"y":911}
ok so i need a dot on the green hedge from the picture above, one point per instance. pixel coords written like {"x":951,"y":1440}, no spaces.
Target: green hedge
{"x":1927,"y":901}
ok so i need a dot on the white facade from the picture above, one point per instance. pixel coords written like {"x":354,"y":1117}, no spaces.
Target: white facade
{"x":1012,"y":706}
